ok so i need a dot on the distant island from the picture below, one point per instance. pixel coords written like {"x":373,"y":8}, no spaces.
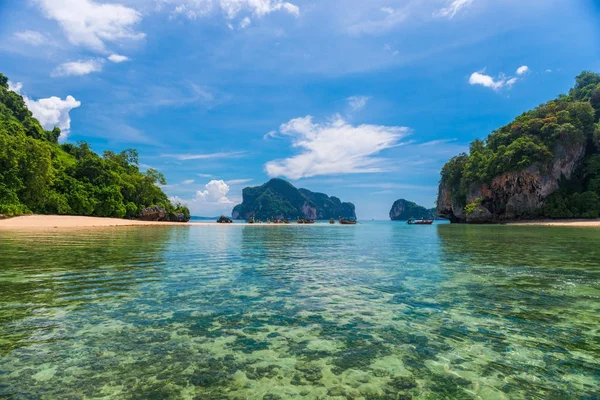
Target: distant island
{"x":280,"y":199}
{"x":39,"y":175}
{"x":545,"y":164}
{"x":403,"y":210}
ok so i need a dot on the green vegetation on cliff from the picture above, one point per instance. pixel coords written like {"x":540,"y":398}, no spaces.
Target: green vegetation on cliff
{"x":539,"y":137}
{"x":280,"y":199}
{"x":39,"y":175}
{"x":403,"y":210}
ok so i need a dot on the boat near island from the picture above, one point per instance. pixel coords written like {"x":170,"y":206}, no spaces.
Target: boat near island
{"x":414,"y":221}
{"x":332,"y":221}
{"x":344,"y":221}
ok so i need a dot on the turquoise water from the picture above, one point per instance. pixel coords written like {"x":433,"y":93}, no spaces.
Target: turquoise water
{"x":373,"y":311}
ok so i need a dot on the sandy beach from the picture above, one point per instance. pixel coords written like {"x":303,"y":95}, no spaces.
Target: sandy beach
{"x":582,"y":223}
{"x":67,"y":221}
{"x":30,"y":222}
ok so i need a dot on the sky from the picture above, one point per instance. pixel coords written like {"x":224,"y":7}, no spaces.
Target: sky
{"x":364,"y":100}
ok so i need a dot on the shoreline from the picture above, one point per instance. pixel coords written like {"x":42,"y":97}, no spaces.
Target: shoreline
{"x":579,"y":223}
{"x":45,"y":222}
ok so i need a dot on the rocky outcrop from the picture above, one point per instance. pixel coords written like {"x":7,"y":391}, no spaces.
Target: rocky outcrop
{"x":178,"y":217}
{"x":160,"y":214}
{"x":402,"y":210}
{"x":153,"y":214}
{"x":279,"y":199}
{"x":512,"y":195}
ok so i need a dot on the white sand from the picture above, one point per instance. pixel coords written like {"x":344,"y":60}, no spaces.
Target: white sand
{"x":66,"y":221}
{"x":567,"y":222}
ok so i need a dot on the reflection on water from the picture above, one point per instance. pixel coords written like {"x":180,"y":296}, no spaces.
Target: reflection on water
{"x":378,"y":310}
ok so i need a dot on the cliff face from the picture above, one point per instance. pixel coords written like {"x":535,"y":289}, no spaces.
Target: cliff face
{"x":280,"y":199}
{"x":403,"y":210}
{"x":512,"y":195}
{"x":545,"y":163}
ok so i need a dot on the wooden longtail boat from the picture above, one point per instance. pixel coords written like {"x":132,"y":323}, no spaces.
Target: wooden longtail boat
{"x":251,"y":220}
{"x":332,"y":221}
{"x":413,"y":221}
{"x":344,"y":221}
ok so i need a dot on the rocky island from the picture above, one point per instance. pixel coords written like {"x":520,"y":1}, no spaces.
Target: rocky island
{"x":280,"y":199}
{"x":545,"y":164}
{"x":403,"y":210}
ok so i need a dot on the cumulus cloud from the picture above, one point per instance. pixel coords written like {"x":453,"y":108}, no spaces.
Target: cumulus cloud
{"x":502,"y":81}
{"x":357,"y":103}
{"x":117,"y":58}
{"x":78,"y":68}
{"x":334,"y":147}
{"x":453,"y":8}
{"x":33,"y":38}
{"x":231,"y":8}
{"x":522,"y":70}
{"x":90,"y":24}
{"x":212,"y":199}
{"x":51,"y":111}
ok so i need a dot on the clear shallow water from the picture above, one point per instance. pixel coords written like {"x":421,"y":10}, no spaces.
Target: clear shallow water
{"x":375,"y":311}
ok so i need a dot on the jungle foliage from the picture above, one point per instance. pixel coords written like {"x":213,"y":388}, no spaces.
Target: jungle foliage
{"x":39,"y":175}
{"x":534,"y":138}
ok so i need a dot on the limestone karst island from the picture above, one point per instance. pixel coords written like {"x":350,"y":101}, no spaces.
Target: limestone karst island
{"x":295,"y":199}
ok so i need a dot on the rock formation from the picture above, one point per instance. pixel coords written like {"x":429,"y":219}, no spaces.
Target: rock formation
{"x":403,"y":210}
{"x":280,"y":199}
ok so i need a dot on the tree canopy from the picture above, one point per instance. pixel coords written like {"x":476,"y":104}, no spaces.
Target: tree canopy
{"x":39,"y":175}
{"x":534,"y":138}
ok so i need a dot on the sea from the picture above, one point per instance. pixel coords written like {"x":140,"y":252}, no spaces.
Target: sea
{"x":379,"y":310}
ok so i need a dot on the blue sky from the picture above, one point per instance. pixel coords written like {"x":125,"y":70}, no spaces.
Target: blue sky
{"x":362,"y":100}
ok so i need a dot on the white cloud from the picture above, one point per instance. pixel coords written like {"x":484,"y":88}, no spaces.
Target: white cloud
{"x":231,"y":8}
{"x":392,"y":18}
{"x":454,"y":6}
{"x":117,"y":58}
{"x":270,"y":134}
{"x":90,"y":24}
{"x":15,"y":87}
{"x":188,"y":182}
{"x":213,"y":199}
{"x":238,"y":181}
{"x":335,"y":147}
{"x":33,"y":38}
{"x":214,"y":191}
{"x":357,"y":103}
{"x":78,"y":68}
{"x":479,"y":78}
{"x":245,"y":22}
{"x":522,"y":70}
{"x":51,"y":111}
{"x":205,"y":175}
{"x":548,"y":70}
{"x":208,"y":156}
